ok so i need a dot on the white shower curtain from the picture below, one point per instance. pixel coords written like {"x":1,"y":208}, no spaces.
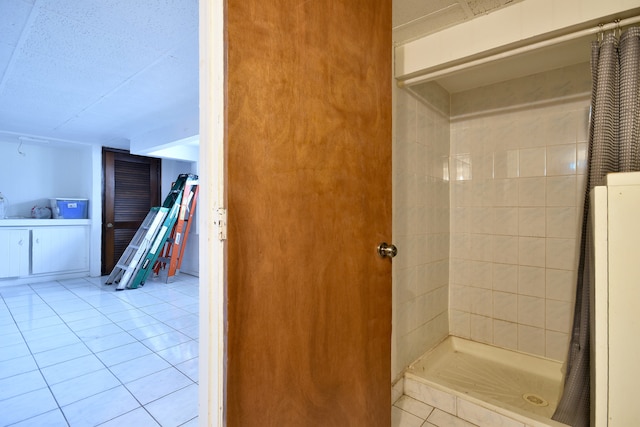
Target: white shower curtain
{"x":614,"y":138}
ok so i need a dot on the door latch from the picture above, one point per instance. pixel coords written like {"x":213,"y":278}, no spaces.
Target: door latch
{"x":221,"y":223}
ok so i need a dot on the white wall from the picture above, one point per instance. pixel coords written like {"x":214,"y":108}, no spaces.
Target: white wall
{"x":420,"y":223}
{"x":31,"y":174}
{"x":43,"y":171}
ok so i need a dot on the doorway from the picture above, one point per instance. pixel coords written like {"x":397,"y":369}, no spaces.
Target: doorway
{"x":130,"y":188}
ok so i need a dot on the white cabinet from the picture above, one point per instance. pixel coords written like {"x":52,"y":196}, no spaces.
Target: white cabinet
{"x":33,"y":250}
{"x":59,"y":249}
{"x":14,"y":253}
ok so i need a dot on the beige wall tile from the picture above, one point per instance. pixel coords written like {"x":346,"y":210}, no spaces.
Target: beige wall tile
{"x":562,"y":222}
{"x":505,"y":277}
{"x":440,"y":418}
{"x":505,"y":334}
{"x":557,"y":345}
{"x":531,"y":192}
{"x":505,"y":306}
{"x":506,"y":221}
{"x":559,"y":316}
{"x":531,"y":251}
{"x":460,"y":323}
{"x":531,"y":339}
{"x":480,"y":416}
{"x":481,"y":328}
{"x":532,"y":162}
{"x":531,"y":311}
{"x":561,"y":160}
{"x":532,"y":222}
{"x":561,"y":191}
{"x":531,"y":281}
{"x":560,"y":284}
{"x":430,"y":395}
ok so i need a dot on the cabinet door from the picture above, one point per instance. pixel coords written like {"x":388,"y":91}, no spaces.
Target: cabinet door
{"x":14,"y":253}
{"x":59,"y":249}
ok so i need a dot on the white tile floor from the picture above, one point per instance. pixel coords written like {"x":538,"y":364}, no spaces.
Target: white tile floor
{"x":78,"y":353}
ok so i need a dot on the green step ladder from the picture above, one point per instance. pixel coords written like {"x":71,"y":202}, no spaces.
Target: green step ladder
{"x":129,"y":262}
{"x":172,"y":203}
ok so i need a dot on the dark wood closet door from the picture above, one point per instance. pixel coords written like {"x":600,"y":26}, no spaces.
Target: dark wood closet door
{"x":131,"y":187}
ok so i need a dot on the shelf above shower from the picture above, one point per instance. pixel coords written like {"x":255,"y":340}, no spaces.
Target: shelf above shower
{"x":523,"y":39}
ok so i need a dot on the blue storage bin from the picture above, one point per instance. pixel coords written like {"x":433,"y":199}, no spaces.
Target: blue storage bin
{"x":70,"y":208}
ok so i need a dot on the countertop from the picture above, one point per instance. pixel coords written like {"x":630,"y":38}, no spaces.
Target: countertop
{"x":31,"y":222}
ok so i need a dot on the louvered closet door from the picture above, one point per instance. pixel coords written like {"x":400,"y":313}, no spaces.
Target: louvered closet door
{"x":131,"y":188}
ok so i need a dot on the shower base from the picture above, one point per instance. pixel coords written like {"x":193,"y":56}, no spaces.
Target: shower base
{"x":486,"y":385}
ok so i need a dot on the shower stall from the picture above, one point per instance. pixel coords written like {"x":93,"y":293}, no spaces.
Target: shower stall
{"x":512,"y":157}
{"x":489,"y":176}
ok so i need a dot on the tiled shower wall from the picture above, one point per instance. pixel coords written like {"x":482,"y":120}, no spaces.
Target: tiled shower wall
{"x":494,"y":179}
{"x":420,"y":223}
{"x":518,"y":151}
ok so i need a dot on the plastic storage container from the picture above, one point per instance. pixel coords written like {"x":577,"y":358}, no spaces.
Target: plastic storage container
{"x":69,"y":208}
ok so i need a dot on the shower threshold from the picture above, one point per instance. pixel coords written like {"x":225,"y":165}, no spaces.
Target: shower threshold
{"x":460,"y":372}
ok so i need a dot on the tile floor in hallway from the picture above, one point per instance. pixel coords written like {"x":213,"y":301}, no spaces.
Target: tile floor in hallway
{"x":77,"y":353}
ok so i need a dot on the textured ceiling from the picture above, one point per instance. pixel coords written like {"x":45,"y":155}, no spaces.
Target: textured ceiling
{"x":416,"y":18}
{"x":114,"y":71}
{"x":98,"y":71}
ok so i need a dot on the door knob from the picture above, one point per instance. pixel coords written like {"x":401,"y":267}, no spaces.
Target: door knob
{"x":386,"y":250}
{"x":109,"y":225}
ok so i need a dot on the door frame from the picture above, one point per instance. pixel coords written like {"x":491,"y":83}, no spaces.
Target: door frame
{"x":212,"y":249}
{"x":108,"y":186}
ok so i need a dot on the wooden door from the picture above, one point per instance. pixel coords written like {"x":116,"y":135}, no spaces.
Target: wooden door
{"x":309,"y":199}
{"x":131,"y":187}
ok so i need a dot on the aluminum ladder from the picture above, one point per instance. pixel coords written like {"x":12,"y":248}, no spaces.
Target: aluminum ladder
{"x":129,"y":262}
